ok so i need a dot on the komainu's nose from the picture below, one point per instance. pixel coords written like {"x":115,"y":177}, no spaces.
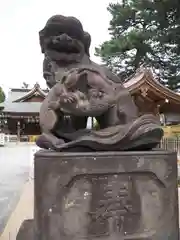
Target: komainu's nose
{"x":62,"y":37}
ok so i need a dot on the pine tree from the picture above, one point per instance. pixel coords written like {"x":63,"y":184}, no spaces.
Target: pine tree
{"x":2,"y":95}
{"x":144,"y":32}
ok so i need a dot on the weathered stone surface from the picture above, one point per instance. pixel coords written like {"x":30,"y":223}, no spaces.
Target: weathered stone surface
{"x":80,"y":89}
{"x":112,"y":195}
{"x":26,"y":231}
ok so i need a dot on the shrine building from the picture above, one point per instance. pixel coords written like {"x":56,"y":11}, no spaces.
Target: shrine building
{"x":19,"y":114}
{"x":151,"y":96}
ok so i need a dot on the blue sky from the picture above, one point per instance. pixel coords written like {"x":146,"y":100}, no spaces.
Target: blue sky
{"x":20,"y":21}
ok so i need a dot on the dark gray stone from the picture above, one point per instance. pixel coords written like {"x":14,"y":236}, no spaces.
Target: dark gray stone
{"x":26,"y":230}
{"x":80,"y":89}
{"x":112,"y":195}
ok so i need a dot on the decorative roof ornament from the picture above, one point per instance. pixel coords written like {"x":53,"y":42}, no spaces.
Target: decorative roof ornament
{"x":36,"y":85}
{"x":144,"y":90}
{"x":36,"y":94}
{"x":143,"y":69}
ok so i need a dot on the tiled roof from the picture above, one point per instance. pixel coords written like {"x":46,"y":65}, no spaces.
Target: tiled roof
{"x":21,"y":107}
{"x":136,"y":78}
{"x":11,"y":106}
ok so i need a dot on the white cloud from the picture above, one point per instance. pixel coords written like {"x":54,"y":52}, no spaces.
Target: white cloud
{"x":20,"y":21}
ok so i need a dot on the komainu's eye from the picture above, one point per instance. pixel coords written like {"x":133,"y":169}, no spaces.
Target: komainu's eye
{"x":100,"y":93}
{"x":88,"y":86}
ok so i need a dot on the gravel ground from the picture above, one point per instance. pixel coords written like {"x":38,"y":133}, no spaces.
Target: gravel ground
{"x":15,"y":162}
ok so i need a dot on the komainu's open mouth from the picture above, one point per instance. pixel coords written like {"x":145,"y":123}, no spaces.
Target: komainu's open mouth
{"x":65,"y":47}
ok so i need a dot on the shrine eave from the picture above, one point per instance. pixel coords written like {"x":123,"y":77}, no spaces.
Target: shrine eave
{"x":145,"y":83}
{"x":20,"y":107}
{"x":36,"y":90}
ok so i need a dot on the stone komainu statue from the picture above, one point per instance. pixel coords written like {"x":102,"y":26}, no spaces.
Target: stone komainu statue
{"x":81,"y":88}
{"x":104,"y":195}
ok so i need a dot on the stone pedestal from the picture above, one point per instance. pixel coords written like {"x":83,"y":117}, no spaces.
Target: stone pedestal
{"x":107,"y":195}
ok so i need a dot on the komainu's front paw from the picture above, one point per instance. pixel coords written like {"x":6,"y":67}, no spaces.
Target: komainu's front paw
{"x":49,"y":141}
{"x":68,"y":98}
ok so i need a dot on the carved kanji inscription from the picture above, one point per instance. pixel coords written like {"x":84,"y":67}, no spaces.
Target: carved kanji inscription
{"x":114,"y":205}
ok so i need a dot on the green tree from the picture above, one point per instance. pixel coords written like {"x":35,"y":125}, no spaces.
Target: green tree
{"x":144,"y":32}
{"x":2,"y":95}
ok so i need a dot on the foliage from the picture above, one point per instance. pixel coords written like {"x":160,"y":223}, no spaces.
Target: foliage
{"x":144,"y":32}
{"x":2,"y":95}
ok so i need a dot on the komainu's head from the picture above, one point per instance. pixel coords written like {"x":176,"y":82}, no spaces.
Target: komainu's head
{"x":87,"y":42}
{"x":63,"y":38}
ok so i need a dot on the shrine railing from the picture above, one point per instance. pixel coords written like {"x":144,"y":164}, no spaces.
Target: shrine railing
{"x":172,"y":144}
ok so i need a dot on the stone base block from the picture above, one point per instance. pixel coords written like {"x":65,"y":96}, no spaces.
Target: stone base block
{"x":26,"y":231}
{"x":111,"y":195}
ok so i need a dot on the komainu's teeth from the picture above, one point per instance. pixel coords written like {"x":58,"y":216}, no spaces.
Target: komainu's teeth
{"x":67,"y":116}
